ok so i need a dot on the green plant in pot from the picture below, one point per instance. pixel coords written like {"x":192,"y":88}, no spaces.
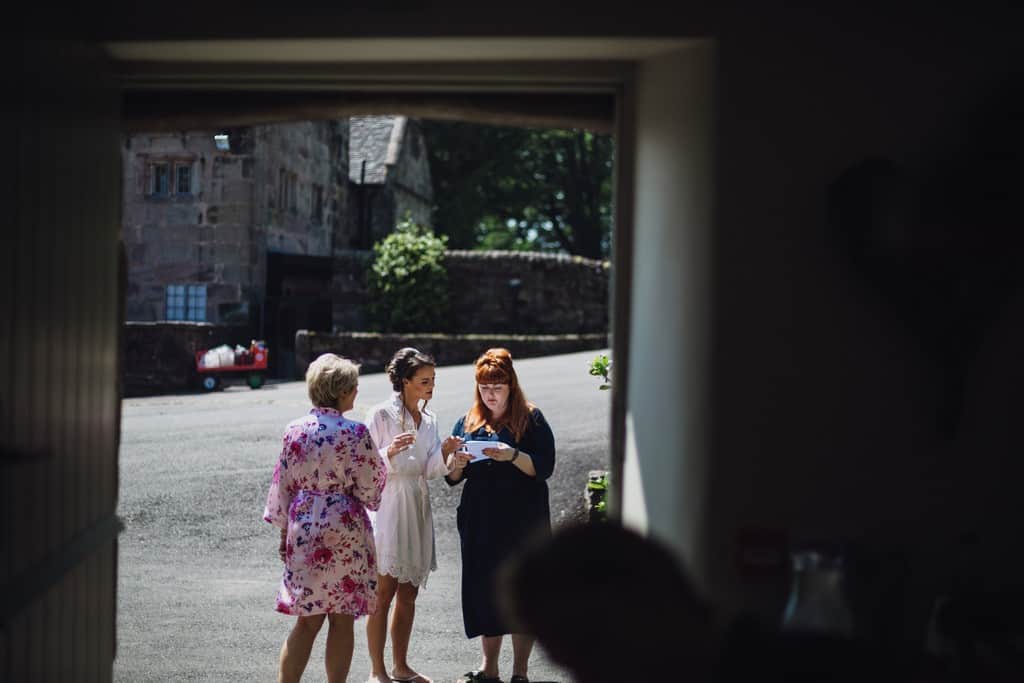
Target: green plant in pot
{"x":601,"y":367}
{"x":597,"y":480}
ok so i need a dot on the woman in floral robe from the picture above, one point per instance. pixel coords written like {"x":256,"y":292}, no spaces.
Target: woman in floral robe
{"x":328,"y":474}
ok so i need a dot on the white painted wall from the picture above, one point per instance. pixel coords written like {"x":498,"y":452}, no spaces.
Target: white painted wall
{"x":666,"y":458}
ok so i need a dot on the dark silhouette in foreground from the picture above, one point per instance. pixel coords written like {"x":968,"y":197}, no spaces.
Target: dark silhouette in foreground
{"x":610,"y":605}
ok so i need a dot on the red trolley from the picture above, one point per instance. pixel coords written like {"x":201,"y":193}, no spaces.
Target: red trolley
{"x":248,"y":365}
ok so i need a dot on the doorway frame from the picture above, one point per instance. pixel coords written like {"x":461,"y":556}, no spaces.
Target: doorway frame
{"x":522,"y":66}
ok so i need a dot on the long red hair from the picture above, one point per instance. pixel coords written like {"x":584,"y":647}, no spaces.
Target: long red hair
{"x":495,"y":367}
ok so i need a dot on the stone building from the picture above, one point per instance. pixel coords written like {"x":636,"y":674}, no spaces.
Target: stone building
{"x":390,"y":175}
{"x":240,"y":226}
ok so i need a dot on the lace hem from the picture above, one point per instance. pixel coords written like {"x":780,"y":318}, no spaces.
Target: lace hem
{"x":405,"y":573}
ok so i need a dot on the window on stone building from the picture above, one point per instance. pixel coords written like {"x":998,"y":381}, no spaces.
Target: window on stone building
{"x":317,"y":210}
{"x":186,"y":302}
{"x":183,"y":178}
{"x":158,"y":179}
{"x":287,"y":190}
{"x":169,"y":178}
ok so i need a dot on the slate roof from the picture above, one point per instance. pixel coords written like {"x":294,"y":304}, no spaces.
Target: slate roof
{"x":377,"y":140}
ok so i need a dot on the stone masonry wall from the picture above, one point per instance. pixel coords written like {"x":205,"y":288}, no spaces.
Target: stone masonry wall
{"x":562,"y":307}
{"x":373,"y":351}
{"x":196,"y":237}
{"x":218,"y":234}
{"x":494,"y":291}
{"x":349,"y":290}
{"x":159,"y":357}
{"x":527,"y":292}
{"x":410,"y":180}
{"x":301,"y":193}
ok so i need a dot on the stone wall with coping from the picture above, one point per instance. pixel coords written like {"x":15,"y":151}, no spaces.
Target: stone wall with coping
{"x":527,"y":292}
{"x":494,"y":292}
{"x":373,"y":350}
{"x":159,"y":357}
{"x":558,"y":306}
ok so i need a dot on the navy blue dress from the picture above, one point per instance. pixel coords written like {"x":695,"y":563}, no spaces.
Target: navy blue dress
{"x":500,"y":510}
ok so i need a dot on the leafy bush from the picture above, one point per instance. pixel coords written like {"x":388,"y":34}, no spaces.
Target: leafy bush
{"x":408,"y":281}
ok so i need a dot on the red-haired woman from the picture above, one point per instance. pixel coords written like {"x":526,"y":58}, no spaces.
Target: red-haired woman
{"x":504,"y":503}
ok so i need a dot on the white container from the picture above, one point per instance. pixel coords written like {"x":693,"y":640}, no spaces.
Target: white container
{"x":225,"y":355}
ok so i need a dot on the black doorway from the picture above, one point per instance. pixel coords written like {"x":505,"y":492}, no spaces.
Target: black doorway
{"x":298,"y":297}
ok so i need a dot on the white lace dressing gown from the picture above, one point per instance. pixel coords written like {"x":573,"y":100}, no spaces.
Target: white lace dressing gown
{"x":403,"y":526}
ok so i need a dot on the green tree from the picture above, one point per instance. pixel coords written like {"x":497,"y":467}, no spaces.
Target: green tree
{"x":522,"y":188}
{"x":408,"y":281}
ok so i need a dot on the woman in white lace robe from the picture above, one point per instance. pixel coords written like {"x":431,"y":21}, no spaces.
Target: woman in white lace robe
{"x":403,"y":527}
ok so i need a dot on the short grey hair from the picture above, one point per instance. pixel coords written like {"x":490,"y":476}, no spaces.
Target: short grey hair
{"x":330,"y":377}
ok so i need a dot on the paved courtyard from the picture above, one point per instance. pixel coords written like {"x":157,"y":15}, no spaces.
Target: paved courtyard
{"x":198,"y":568}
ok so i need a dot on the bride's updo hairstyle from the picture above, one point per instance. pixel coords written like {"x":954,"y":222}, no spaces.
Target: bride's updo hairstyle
{"x":403,"y":365}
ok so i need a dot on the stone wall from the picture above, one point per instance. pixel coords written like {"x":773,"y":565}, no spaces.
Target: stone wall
{"x":280,"y":188}
{"x":301,"y":191}
{"x":349,"y":290}
{"x":409,"y":179}
{"x":495,"y":291}
{"x":159,"y":357}
{"x":527,"y":292}
{"x":199,"y":236}
{"x":561,"y":306}
{"x":373,"y":351}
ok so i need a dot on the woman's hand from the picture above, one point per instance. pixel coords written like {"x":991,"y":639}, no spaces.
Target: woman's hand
{"x":500,"y":451}
{"x":400,"y":443}
{"x":452,"y":444}
{"x":282,"y":548}
{"x":457,"y":462}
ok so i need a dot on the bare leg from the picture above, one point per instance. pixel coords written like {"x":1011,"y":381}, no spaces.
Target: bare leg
{"x":296,"y":648}
{"x":491,"y":646}
{"x":522,"y":646}
{"x":377,"y":627}
{"x":401,"y":630}
{"x":340,"y":642}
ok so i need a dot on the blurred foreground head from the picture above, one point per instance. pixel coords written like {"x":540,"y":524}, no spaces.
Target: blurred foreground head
{"x":609,"y":605}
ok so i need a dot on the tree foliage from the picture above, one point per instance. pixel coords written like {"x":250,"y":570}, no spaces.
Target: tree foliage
{"x":521,"y":188}
{"x":408,"y":281}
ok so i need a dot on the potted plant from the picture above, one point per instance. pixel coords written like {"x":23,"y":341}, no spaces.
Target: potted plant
{"x":596,"y":494}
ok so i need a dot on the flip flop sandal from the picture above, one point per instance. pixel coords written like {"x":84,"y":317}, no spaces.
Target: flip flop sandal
{"x":412,"y":679}
{"x":519,"y":679}
{"x":478,"y":677}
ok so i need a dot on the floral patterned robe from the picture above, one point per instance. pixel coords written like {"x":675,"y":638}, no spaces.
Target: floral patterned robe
{"x":329,"y":473}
